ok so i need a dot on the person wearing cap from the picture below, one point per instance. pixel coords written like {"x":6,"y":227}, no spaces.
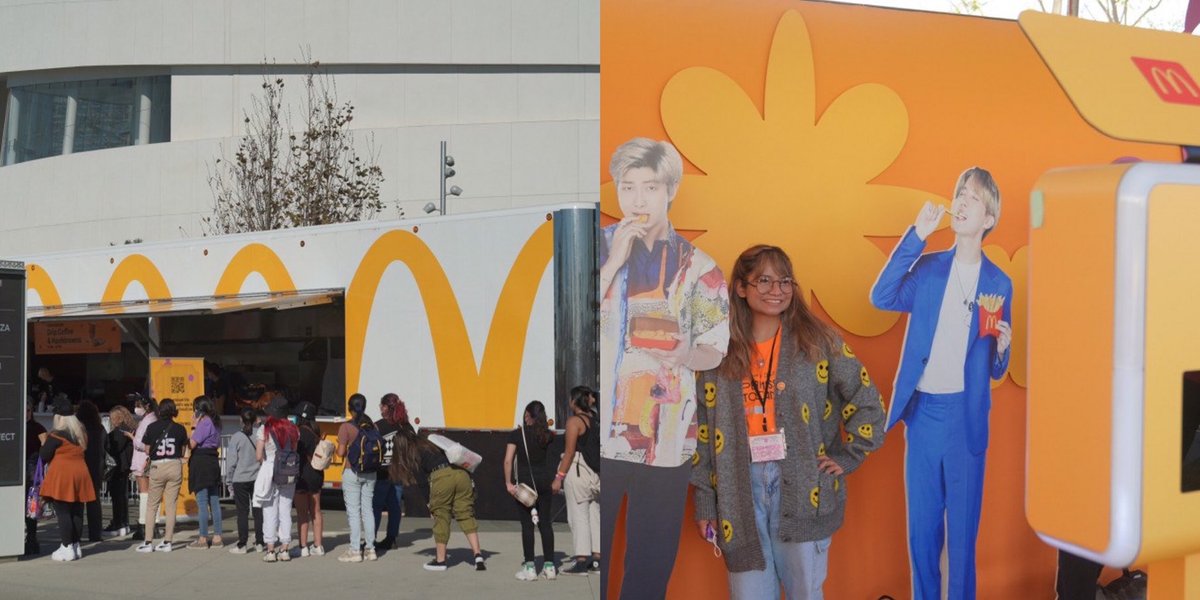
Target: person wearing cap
{"x":67,"y":483}
{"x":309,"y":483}
{"x":275,"y":499}
{"x":167,"y":442}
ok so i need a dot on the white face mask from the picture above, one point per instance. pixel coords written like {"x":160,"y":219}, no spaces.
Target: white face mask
{"x":139,"y":411}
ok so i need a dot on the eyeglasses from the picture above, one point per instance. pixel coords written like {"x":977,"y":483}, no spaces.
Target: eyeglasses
{"x":764,"y":285}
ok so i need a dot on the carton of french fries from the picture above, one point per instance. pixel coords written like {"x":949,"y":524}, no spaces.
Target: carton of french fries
{"x":991,"y":307}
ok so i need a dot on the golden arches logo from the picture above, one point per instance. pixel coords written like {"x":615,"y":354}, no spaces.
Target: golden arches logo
{"x":1178,"y":83}
{"x":255,"y":258}
{"x":136,"y":267}
{"x":38,"y":280}
{"x":1169,"y":79}
{"x":485,"y":397}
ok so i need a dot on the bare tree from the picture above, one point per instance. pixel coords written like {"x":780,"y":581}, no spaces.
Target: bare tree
{"x":1118,"y":11}
{"x":284,"y":176}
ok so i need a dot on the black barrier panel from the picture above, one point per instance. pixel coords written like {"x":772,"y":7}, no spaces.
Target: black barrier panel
{"x":492,"y":501}
{"x":12,"y":369}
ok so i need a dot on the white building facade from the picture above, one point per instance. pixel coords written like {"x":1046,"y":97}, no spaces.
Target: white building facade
{"x":115,"y":111}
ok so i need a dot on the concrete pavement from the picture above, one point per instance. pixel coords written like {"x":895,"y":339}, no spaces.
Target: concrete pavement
{"x":111,"y":569}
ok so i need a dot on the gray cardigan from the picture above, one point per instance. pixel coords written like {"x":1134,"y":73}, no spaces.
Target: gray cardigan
{"x":845,"y":421}
{"x":241,"y":462}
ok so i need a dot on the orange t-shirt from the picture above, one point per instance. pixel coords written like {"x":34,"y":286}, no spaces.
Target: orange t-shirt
{"x":764,"y":365}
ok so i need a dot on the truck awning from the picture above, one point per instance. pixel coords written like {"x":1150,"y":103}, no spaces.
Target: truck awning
{"x":211,"y":305}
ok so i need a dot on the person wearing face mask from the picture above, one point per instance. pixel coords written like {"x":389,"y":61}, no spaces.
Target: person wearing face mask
{"x":954,"y":346}
{"x":145,"y":410}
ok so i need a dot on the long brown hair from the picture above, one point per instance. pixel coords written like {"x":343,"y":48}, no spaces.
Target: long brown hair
{"x":808,"y":333}
{"x":406,"y":454}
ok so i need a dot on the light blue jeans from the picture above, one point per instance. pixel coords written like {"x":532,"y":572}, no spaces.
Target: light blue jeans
{"x":358,"y":489}
{"x":208,"y":500}
{"x":800,"y":567}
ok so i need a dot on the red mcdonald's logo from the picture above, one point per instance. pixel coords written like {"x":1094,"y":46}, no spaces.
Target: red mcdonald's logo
{"x":1170,"y":80}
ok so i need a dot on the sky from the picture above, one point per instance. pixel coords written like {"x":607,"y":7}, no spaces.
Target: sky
{"x":1169,"y":15}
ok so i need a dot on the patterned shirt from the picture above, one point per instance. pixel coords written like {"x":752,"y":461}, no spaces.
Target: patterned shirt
{"x":671,"y":293}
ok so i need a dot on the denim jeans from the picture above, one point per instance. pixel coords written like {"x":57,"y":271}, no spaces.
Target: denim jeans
{"x":800,"y":567}
{"x":359,"y":493}
{"x":388,"y":496}
{"x":209,"y":500}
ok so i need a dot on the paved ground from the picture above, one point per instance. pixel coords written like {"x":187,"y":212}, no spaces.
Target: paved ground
{"x":111,"y":569}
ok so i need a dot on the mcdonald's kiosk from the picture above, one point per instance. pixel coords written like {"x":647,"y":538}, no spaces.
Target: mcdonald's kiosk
{"x":1113,"y":457}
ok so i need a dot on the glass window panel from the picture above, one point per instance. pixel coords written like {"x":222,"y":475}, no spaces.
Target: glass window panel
{"x":105,"y":115}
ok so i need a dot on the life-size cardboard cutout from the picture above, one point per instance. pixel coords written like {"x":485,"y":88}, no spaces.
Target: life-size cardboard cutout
{"x":663,"y":316}
{"x":957,"y":341}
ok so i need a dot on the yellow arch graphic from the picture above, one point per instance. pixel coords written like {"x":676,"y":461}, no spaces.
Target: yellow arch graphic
{"x":470,"y":398}
{"x":136,"y":267}
{"x":255,"y":258}
{"x":38,"y":280}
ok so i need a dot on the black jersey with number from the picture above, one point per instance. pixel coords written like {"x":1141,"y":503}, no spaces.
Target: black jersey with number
{"x":166,"y":439}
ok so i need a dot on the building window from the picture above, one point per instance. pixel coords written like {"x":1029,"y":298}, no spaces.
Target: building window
{"x":51,"y":119}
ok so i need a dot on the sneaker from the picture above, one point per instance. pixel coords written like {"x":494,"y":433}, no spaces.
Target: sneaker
{"x":435,"y":565}
{"x":579,"y":567}
{"x":285,"y":554}
{"x":217,"y":542}
{"x":388,"y":543}
{"x":594,"y":567}
{"x":316,"y":551}
{"x":122,"y":532}
{"x":479,"y":564}
{"x":549,"y":572}
{"x":63,"y":554}
{"x":351,"y":556}
{"x":145,"y":547}
{"x":198,"y":544}
{"x":164,"y":546}
{"x":269,"y":556}
{"x":304,"y":552}
{"x":370,"y":554}
{"x":260,"y":548}
{"x":527,"y":572}
{"x":239,"y":550}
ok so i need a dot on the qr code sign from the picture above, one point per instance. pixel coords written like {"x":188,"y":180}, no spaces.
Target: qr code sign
{"x":177,"y":385}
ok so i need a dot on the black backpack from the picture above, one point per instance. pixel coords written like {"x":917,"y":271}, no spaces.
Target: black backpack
{"x":287,"y":464}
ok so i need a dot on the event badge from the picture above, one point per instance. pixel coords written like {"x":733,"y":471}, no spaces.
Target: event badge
{"x":768,"y":447}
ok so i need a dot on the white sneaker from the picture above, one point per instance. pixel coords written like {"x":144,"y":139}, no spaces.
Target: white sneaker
{"x":239,"y":550}
{"x":316,"y":551}
{"x":527,"y":572}
{"x":549,"y":572}
{"x":164,"y":546}
{"x":304,"y":552}
{"x":63,"y":554}
{"x":145,"y":547}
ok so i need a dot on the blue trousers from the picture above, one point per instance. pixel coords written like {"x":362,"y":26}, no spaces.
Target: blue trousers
{"x":944,"y":482}
{"x":388,"y":496}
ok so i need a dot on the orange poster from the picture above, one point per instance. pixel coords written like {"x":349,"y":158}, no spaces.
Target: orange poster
{"x":181,"y":380}
{"x":77,"y":337}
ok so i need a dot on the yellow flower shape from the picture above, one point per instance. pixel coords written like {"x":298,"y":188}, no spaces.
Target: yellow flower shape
{"x":816,"y":168}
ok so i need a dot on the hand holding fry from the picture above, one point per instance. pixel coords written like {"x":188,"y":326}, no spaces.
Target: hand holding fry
{"x":1005,"y":337}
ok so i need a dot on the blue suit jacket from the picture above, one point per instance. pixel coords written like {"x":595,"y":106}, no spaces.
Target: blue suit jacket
{"x":916,"y":283}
